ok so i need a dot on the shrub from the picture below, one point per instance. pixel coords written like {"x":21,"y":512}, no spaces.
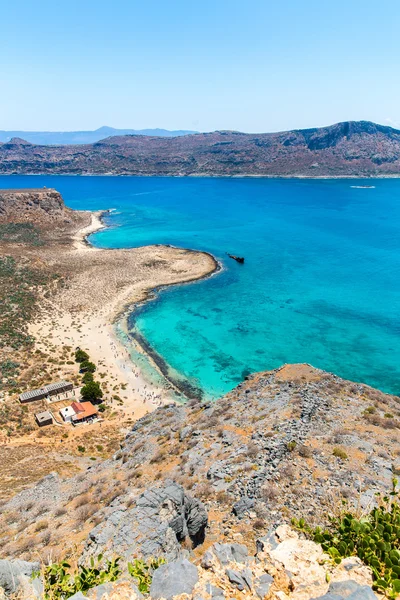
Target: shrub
{"x":87,"y":378}
{"x":60,"y":583}
{"x":269,"y":491}
{"x":375,"y":539}
{"x":87,"y":366}
{"x":81,"y":449}
{"x":339,"y":453}
{"x":143,"y":572}
{"x":81,"y":356}
{"x":305,"y":451}
{"x":259,"y":524}
{"x":41,"y":525}
{"x":92,"y":391}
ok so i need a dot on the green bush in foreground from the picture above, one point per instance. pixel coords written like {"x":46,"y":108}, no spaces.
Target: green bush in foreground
{"x":375,"y":539}
{"x":60,"y":584}
{"x":143,"y":572}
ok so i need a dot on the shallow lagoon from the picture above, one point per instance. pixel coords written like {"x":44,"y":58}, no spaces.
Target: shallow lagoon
{"x":321,"y":281}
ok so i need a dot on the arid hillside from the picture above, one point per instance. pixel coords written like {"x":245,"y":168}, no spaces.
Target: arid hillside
{"x":352,"y":148}
{"x":293,"y":442}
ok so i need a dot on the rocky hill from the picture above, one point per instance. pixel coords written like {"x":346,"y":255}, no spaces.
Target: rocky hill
{"x":205,"y":481}
{"x":82,"y":137}
{"x":360,"y":149}
{"x":32,"y":205}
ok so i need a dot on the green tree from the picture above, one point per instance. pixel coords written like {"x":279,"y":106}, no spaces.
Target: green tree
{"x":86,"y":365}
{"x":81,"y":355}
{"x":92,"y":391}
{"x":87,"y":378}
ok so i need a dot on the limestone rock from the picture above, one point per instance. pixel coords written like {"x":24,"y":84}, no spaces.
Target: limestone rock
{"x":173,"y":579}
{"x":15,"y":575}
{"x":158,"y":520}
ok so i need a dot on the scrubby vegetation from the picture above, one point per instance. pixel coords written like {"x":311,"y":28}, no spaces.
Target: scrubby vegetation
{"x":61,"y":582}
{"x":374,"y":538}
{"x":20,"y":233}
{"x":19,"y":286}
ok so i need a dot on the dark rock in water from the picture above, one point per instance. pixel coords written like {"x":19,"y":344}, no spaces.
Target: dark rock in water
{"x":158,"y":521}
{"x":173,"y":579}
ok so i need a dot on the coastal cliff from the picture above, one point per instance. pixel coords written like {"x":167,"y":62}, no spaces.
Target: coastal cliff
{"x":349,"y":149}
{"x":33,"y":205}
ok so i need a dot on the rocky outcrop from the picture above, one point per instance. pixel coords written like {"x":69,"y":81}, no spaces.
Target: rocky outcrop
{"x":282,"y":567}
{"x":156,"y":524}
{"x":33,"y":205}
{"x":345,"y":149}
{"x":16,"y":578}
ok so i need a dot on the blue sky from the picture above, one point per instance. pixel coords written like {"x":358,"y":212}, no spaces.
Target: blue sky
{"x":250,"y":65}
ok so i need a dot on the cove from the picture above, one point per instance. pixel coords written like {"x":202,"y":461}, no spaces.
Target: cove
{"x":320,"y":284}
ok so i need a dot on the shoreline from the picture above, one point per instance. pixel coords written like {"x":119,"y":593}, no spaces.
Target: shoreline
{"x":210,"y":175}
{"x":131,"y":389}
{"x":156,"y":361}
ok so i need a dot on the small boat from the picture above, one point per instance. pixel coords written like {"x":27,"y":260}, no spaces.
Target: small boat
{"x":363,"y":187}
{"x":238,"y":259}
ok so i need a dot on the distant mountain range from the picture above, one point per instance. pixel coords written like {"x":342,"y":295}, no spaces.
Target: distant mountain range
{"x":353,"y":148}
{"x":82,"y":137}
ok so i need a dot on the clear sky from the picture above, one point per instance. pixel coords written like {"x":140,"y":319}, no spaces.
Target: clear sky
{"x":249,"y":65}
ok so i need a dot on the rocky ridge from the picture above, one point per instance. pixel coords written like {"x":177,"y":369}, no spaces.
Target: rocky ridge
{"x":354,"y":149}
{"x":293,"y":442}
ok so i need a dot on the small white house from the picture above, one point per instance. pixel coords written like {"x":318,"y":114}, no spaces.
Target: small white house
{"x":67,"y":413}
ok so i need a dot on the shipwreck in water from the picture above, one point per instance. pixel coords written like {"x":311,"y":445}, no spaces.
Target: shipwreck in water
{"x":239,"y":259}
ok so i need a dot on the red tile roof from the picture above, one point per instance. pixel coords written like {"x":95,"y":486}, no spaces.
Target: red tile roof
{"x":86,"y":410}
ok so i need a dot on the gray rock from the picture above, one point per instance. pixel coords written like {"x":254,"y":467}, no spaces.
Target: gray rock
{"x":172,"y":579}
{"x":15,"y":574}
{"x":349,"y":590}
{"x":215,"y":592}
{"x":105,"y":590}
{"x":227,"y":553}
{"x":240,"y":580}
{"x":263,"y":584}
{"x":243,"y":506}
{"x":154,"y":525}
{"x":78,"y":596}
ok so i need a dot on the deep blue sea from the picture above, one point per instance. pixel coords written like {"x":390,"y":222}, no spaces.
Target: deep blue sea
{"x":321,"y":281}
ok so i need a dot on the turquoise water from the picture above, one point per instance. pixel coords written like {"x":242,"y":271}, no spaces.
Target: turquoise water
{"x":321,"y":282}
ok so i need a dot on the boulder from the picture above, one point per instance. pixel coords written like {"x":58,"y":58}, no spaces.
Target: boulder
{"x":16,"y":575}
{"x":173,"y":579}
{"x":350,"y":590}
{"x":156,"y":523}
{"x":243,"y":506}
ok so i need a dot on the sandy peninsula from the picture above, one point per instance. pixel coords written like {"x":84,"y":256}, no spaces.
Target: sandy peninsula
{"x":101,"y":288}
{"x":64,"y":293}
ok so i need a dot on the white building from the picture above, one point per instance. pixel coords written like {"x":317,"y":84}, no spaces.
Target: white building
{"x":67,"y":413}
